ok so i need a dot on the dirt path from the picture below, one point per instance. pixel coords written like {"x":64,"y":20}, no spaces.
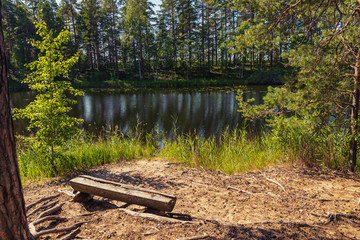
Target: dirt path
{"x":279,"y":203}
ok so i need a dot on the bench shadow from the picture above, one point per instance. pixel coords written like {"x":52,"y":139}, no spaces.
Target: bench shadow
{"x":95,"y":205}
{"x":135,"y":179}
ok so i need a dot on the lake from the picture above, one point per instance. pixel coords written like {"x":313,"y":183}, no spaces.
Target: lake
{"x":204,"y":112}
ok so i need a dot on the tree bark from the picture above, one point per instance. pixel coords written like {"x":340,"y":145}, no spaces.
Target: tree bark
{"x":354,"y":117}
{"x":13,"y":223}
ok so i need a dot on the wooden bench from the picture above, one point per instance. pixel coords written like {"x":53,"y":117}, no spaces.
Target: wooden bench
{"x":123,"y":192}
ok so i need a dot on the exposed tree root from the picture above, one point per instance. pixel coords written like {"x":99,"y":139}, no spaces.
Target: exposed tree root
{"x":58,"y":230}
{"x":47,"y":216}
{"x":41,"y":200}
{"x":51,"y":211}
{"x":44,"y":206}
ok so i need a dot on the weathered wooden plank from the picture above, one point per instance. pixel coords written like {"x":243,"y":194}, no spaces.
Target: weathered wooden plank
{"x":123,"y":192}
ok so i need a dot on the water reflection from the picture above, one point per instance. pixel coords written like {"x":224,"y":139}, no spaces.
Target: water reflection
{"x":206,"y":113}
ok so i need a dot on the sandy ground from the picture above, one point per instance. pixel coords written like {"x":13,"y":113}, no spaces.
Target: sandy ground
{"x":278,"y":203}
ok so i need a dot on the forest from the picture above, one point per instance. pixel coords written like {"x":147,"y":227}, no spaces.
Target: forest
{"x":311,"y":47}
{"x":188,"y":39}
{"x":296,"y":179}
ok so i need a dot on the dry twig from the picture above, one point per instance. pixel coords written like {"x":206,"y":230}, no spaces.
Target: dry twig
{"x":276,"y":182}
{"x":195,"y":237}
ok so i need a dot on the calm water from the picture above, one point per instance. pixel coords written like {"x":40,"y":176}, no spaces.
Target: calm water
{"x":203,"y":112}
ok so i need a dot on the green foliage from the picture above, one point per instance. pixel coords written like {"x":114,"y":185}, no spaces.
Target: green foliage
{"x":48,"y":113}
{"x":316,"y":105}
{"x":18,"y":28}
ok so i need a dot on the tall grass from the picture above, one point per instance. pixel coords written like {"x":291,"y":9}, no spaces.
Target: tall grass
{"x":231,"y":152}
{"x":234,"y":151}
{"x":82,"y":152}
{"x":326,"y":147}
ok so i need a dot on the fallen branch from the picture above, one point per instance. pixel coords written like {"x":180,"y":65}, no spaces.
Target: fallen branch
{"x":276,"y":182}
{"x":298,"y":224}
{"x":41,"y":200}
{"x":230,"y":224}
{"x":335,"y":216}
{"x":326,"y":199}
{"x":154,"y":217}
{"x":195,"y":237}
{"x":44,"y":206}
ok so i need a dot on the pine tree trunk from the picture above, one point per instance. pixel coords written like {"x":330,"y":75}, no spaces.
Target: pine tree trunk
{"x":202,"y":64}
{"x":13,"y":223}
{"x":173,"y":27}
{"x":189,"y":41}
{"x":97,"y":50}
{"x":354,"y":117}
{"x":115,"y":47}
{"x":216,"y":39}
